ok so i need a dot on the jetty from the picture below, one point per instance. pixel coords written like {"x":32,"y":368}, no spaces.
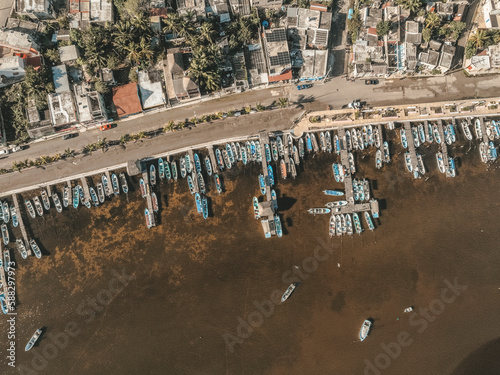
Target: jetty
{"x":411,"y":144}
{"x":21,"y":223}
{"x":108,"y":192}
{"x":213,"y":160}
{"x":144,"y":171}
{"x":85,"y":187}
{"x":264,"y":139}
{"x":483,"y":130}
{"x":344,"y":159}
{"x":3,"y":278}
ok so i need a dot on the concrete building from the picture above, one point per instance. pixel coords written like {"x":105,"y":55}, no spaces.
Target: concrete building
{"x":11,"y":70}
{"x":15,"y":42}
{"x":315,"y":64}
{"x":196,"y":6}
{"x":410,"y":56}
{"x":309,"y":28}
{"x":89,"y":104}
{"x":429,"y":59}
{"x":68,"y":53}
{"x":279,"y":65}
{"x":276,"y":4}
{"x":240,"y":7}
{"x":179,"y":85}
{"x":413,"y":34}
{"x":60,"y":77}
{"x":491,"y":13}
{"x":61,"y":108}
{"x":256,"y":63}
{"x":35,"y":9}
{"x":151,"y":89}
{"x":446,"y":60}
{"x":84,"y":12}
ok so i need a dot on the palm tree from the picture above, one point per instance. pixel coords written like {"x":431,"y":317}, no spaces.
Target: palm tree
{"x":480,"y":38}
{"x":282,"y":102}
{"x":260,"y":107}
{"x":69,"y":153}
{"x":56,"y":157}
{"x":433,"y":21}
{"x":207,"y":31}
{"x":212,"y":81}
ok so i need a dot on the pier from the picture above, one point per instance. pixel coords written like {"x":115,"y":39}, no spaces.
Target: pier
{"x":264,"y":139}
{"x":85,"y":186}
{"x":21,"y":223}
{"x":49,"y":191}
{"x":213,"y":160}
{"x":149,"y":201}
{"x":483,"y":130}
{"x":344,"y":159}
{"x":381,"y":135}
{"x":109,"y":191}
{"x":411,"y":144}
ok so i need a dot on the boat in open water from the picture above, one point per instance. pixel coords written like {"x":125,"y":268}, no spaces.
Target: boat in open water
{"x":335,"y":193}
{"x":5,"y":234}
{"x":93,"y":196}
{"x":76,"y":197}
{"x":100,"y":193}
{"x":277,"y":224}
{"x":218,"y":184}
{"x":147,"y":216}
{"x":404,"y":139}
{"x":357,"y":223}
{"x":204,"y":206}
{"x":38,"y":206}
{"x":319,"y":211}
{"x":289,"y":291}
{"x":256,"y":207}
{"x":262,"y":184}
{"x":13,"y":214}
{"x":152,"y":175}
{"x":369,"y":221}
{"x":270,"y":174}
{"x":57,"y":202}
{"x":115,"y":184}
{"x":201,"y":183}
{"x":208,"y":165}
{"x":123,"y":181}
{"x":190,"y":184}
{"x":35,"y":248}
{"x":365,"y":329}
{"x":142,"y":186}
{"x":21,"y":247}
{"x":33,"y":340}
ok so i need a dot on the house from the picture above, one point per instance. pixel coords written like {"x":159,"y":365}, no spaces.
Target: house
{"x":39,"y":122}
{"x":11,"y":70}
{"x":61,"y":108}
{"x":446,"y":60}
{"x":445,"y":10}
{"x":413,"y":34}
{"x":429,"y":60}
{"x":89,"y":103}
{"x":126,"y":100}
{"x":219,"y":7}
{"x":279,"y":65}
{"x":435,"y":45}
{"x":179,"y":85}
{"x":371,"y":16}
{"x":315,"y":64}
{"x":410,"y":56}
{"x":393,"y":15}
{"x":84,"y":12}
{"x":309,"y":28}
{"x":151,"y":89}
{"x":239,"y":70}
{"x":365,"y":58}
{"x":460,"y":14}
{"x":256,"y":63}
{"x":35,"y":9}
{"x":276,"y":4}
{"x":60,"y":78}
{"x":61,"y":35}
{"x":68,"y":53}
{"x":17,"y":43}
{"x":480,"y":62}
{"x":494,"y":53}
{"x":320,"y":7}
{"x":196,"y":6}
{"x":22,"y":26}
{"x":491,"y":13}
{"x":240,"y":7}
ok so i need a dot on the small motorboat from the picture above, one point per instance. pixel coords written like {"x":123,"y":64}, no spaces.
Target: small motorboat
{"x":5,"y":234}
{"x":256,"y":210}
{"x":336,"y":193}
{"x":270,"y":175}
{"x":289,"y":291}
{"x":147,"y":216}
{"x":220,"y":160}
{"x":378,"y":159}
{"x":93,"y":196}
{"x":408,"y":309}
{"x":404,"y":139}
{"x":319,"y":211}
{"x":168,"y":172}
{"x":33,"y":340}
{"x":154,"y":202}
{"x":440,"y":162}
{"x":21,"y":248}
{"x":13,"y":214}
{"x":331,"y":230}
{"x":197,"y":199}
{"x":267,"y":151}
{"x":57,"y":202}
{"x":421,"y":133}
{"x":152,"y":175}
{"x":478,"y":129}
{"x":190,"y":184}
{"x":197,"y":163}
{"x":262,"y":184}
{"x":387,"y":155}
{"x":336,"y":204}
{"x":408,"y":164}
{"x":218,"y":184}
{"x":189,"y":164}
{"x":208,"y":165}
{"x":100,"y":193}
{"x":204,"y":206}
{"x":283,"y":169}
{"x":182,"y":163}
{"x":142,"y":186}
{"x":365,"y":329}
{"x":161,"y":169}
{"x":35,"y":248}
{"x":115,"y":184}
{"x":437,"y":135}
{"x":123,"y":182}
{"x":466,"y":130}
{"x":45,"y":200}
{"x":38,"y":206}
{"x":66,"y":196}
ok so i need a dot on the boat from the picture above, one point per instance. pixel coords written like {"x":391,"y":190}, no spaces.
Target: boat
{"x":197,"y":199}
{"x":13,"y":214}
{"x":229,"y":152}
{"x":408,"y":309}
{"x":281,"y":148}
{"x":466,"y":130}
{"x":152,"y":175}
{"x":331,"y":230}
{"x":489,"y":132}
{"x":66,"y":194}
{"x":492,"y":151}
{"x":378,"y":159}
{"x":208,"y":165}
{"x":57,"y":202}
{"x":154,"y":202}
{"x":107,"y":188}
{"x":76,"y":197}
{"x":348,"y":140}
{"x":277,"y":224}
{"x":123,"y":182}
{"x":6,"y":212}
{"x":85,"y":201}
{"x":238,"y":150}
{"x":201,"y":183}
{"x":197,"y":163}
{"x":189,"y":165}
{"x":161,"y":169}
{"x":354,"y":140}
{"x":21,"y":248}
{"x":447,"y":136}
{"x":274,"y":199}
{"x":190,"y":184}
{"x":93,"y":196}
{"x":204,"y":205}
{"x":364,"y":136}
{"x":5,"y":234}
{"x":248,"y":147}
{"x":496,"y":128}
{"x":182,"y":163}
{"x":168,"y":172}
{"x":38,"y":206}
{"x":35,"y":249}
{"x":440,"y":162}
{"x":376,"y":137}
{"x":262,"y":184}
{"x":328,"y":141}
{"x":366,"y":190}
{"x":218,"y":157}
{"x":343,"y":224}
{"x":226,"y":158}
{"x":45,"y":199}
{"x":100,"y":193}
{"x":234,"y":152}
{"x":336,"y":144}
{"x":338,"y":225}
{"x":357,"y":223}
{"x":387,"y":155}
{"x":408,"y":164}
{"x":420,"y":164}
{"x":348,"y":223}
{"x":414,"y":135}
{"x":429,"y":133}
{"x":142,"y":186}
{"x":218,"y":184}
{"x":319,"y":211}
{"x":309,"y":146}
{"x":147,"y":216}
{"x":256,"y":208}
{"x":336,"y":204}
{"x":453,"y":134}
{"x":258,"y":151}
{"x":404,"y":140}
{"x":293,"y":169}
{"x":336,"y":193}
{"x":301,"y":148}
{"x":336,"y":173}
{"x":483,"y":151}
{"x":322,"y":141}
{"x":115,"y":184}
{"x":283,"y":169}
{"x":437,"y":135}
{"x":421,"y":133}
{"x":365,"y":329}
{"x":369,"y":221}
{"x":478,"y":130}
{"x":361,"y":142}
{"x":267,"y":151}
{"x":33,"y":340}
{"x":451,"y":167}
{"x":270,"y":174}
{"x":369,"y":133}
{"x":289,"y":291}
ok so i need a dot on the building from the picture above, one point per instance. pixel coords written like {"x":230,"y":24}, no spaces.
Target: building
{"x":89,"y":104}
{"x":19,"y":44}
{"x":126,"y":100}
{"x":35,"y":9}
{"x":256,"y":64}
{"x":61,"y":106}
{"x":68,"y":53}
{"x":413,"y":34}
{"x":39,"y":122}
{"x":320,"y":7}
{"x":60,"y":77}
{"x":371,"y":16}
{"x":309,"y":28}
{"x":11,"y":70}
{"x":240,"y":7}
{"x":410,"y":56}
{"x":279,"y":65}
{"x":429,"y":60}
{"x":196,"y":6}
{"x":315,"y":64}
{"x":218,"y":7}
{"x":151,"y":89}
{"x":491,"y":13}
{"x":84,"y":12}
{"x":446,"y":60}
{"x":179,"y":85}
{"x":276,"y":4}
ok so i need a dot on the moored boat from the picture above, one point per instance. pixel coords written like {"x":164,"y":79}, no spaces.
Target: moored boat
{"x":190,"y":184}
{"x":45,"y":199}
{"x":354,"y":139}
{"x":262,"y":184}
{"x":322,"y":141}
{"x":238,"y":151}
{"x":408,"y":164}
{"x":270,"y":174}
{"x":376,"y":136}
{"x":204,"y":206}
{"x":154,"y":202}
{"x":437,"y":135}
{"x":197,"y":163}
{"x":208,"y":165}
{"x":21,"y":247}
{"x":234,"y":152}
{"x":369,"y":221}
{"x":33,"y":340}
{"x":338,"y":225}
{"x":366,"y":190}
{"x":365,"y":329}
{"x":161,"y":169}
{"x":197,"y":199}
{"x":115,"y":184}
{"x":76,"y":197}
{"x":336,"y":204}
{"x":6,"y":212}
{"x":218,"y":183}
{"x":328,"y":141}
{"x":421,"y":133}
{"x":168,"y":172}
{"x":226,"y":158}
{"x":357,"y":223}
{"x":440,"y":162}
{"x":100,"y":193}
{"x":378,"y":159}
{"x":348,"y":223}
{"x":182,"y":163}
{"x":147,"y":216}
{"x":256,"y":208}
{"x":489,"y":132}
{"x":274,"y":150}
{"x":229,"y":152}
{"x":331,"y":230}
{"x":288,"y":292}
{"x":93,"y":196}
{"x":478,"y":129}
{"x":189,"y":164}
{"x":428,"y":134}
{"x":281,"y":148}
{"x":336,"y":193}
{"x":123,"y":182}
{"x":414,"y":135}
{"x":361,"y":142}
{"x":277,"y":224}
{"x":267,"y":151}
{"x":66,"y":198}
{"x":5,"y":234}
{"x":35,"y":248}
{"x":453,"y":134}
{"x":336,"y":172}
{"x":387,"y":155}
{"x":106,"y":186}
{"x":57,"y":202}
{"x":496,"y":128}
{"x":309,"y":147}
{"x":348,"y":140}
{"x":38,"y":206}
{"x":13,"y":214}
{"x":258,"y":151}
{"x":492,"y":151}
{"x":201,"y":183}
{"x":152,"y":175}
{"x":336,"y":144}
{"x":404,"y":140}
{"x":283,"y":169}
{"x":3,"y":303}
{"x":142,"y":186}
{"x":274,"y":199}
{"x":220,"y":161}
{"x":319,"y":211}
{"x":420,"y":164}
{"x":466,"y":130}
{"x":301,"y":148}
{"x":451,"y":167}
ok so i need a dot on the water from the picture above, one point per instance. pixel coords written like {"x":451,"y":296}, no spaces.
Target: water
{"x":193,"y":279}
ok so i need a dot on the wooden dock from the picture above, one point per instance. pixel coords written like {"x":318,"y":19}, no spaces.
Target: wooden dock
{"x":70,"y":197}
{"x":49,"y":191}
{"x":109,"y":191}
{"x":483,"y":130}
{"x":149,"y":201}
{"x":213,"y":160}
{"x":381,"y":134}
{"x":444,"y":147}
{"x":264,"y":139}
{"x":21,"y":223}
{"x":344,"y":159}
{"x":85,"y":186}
{"x":411,"y":145}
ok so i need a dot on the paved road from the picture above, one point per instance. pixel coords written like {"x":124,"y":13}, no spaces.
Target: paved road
{"x":5,"y":9}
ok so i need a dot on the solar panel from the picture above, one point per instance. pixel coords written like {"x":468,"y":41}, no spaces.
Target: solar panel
{"x":276,"y":35}
{"x":282,"y":58}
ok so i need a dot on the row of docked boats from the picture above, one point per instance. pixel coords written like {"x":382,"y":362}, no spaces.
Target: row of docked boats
{"x":417,"y":168}
{"x":361,"y":189}
{"x":24,"y":251}
{"x":446,"y":166}
{"x":430,"y":133}
{"x":345,"y":224}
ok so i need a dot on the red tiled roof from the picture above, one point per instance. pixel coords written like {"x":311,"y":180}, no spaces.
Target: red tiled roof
{"x":281,"y":77}
{"x":126,"y":99}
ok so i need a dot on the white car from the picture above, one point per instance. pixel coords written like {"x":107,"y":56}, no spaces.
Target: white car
{"x":17,"y":148}
{"x":237,"y":114}
{"x":4,"y":151}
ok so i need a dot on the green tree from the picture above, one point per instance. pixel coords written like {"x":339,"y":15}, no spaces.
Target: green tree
{"x":411,"y":5}
{"x":282,"y":102}
{"x":354,"y":24}
{"x":383,"y":27}
{"x":479,"y":39}
{"x":52,"y":55}
{"x":426,"y":34}
{"x":101,"y":87}
{"x":136,"y":8}
{"x":457,"y":28}
{"x":433,"y":21}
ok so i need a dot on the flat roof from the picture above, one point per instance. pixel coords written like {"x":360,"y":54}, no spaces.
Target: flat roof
{"x":151,"y":91}
{"x":60,"y":77}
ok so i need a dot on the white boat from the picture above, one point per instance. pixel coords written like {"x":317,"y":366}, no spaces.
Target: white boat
{"x":33,"y":339}
{"x":466,"y":130}
{"x":478,"y":130}
{"x":489,"y":132}
{"x":414,"y":134}
{"x":378,"y":159}
{"x":348,"y":140}
{"x":288,"y":292}
{"x":408,"y":309}
{"x":420,"y":164}
{"x":365,"y":329}
{"x":421,"y":133}
{"x":437,"y":135}
{"x":336,"y":204}
{"x":348,"y":223}
{"x":319,"y":210}
{"x":387,"y":155}
{"x":440,"y":162}
{"x":483,"y":151}
{"x":376,"y":137}
{"x":352,"y":166}
{"x":408,"y":164}
{"x":331,"y":231}
{"x":404,"y":139}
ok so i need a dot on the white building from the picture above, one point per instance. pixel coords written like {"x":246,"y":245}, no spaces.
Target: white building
{"x":11,"y":70}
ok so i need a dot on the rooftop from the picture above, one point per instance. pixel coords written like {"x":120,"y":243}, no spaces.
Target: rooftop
{"x":256,"y":64}
{"x":60,"y":77}
{"x":278,"y":56}
{"x":32,"y":6}
{"x":126,"y":100}
{"x":315,"y":63}
{"x":18,"y":40}
{"x":309,"y":19}
{"x":150,"y":87}
{"x":62,"y":110}
{"x":480,"y":62}
{"x":68,"y":53}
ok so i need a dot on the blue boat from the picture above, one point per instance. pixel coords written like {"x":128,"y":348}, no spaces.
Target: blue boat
{"x":230,"y":154}
{"x":453,"y":134}
{"x":277,"y":223}
{"x":204,"y":204}
{"x":189,"y":165}
{"x":336,"y":193}
{"x":404,"y":140}
{"x":190,"y":184}
{"x":33,"y":340}
{"x":161,"y":168}
{"x":168,"y":173}
{"x":173,"y":165}
{"x":451,"y":169}
{"x":270,"y":174}
{"x":3,"y":303}
{"x":336,"y":172}
{"x":13,"y":214}
{"x":208,"y":165}
{"x":253,"y":151}
{"x":220,"y":161}
{"x":244,"y":155}
{"x":93,"y":195}
{"x":262,"y":184}
{"x":274,"y":199}
{"x":218,"y":184}
{"x":337,"y":144}
{"x":268,"y":152}
{"x":492,"y":151}
{"x":309,"y":146}
{"x":76,"y":198}
{"x":197,"y":198}
{"x":369,"y":221}
{"x":197,"y":163}
{"x":496,"y":128}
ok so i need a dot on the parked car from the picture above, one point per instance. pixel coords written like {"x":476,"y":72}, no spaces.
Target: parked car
{"x":237,"y":114}
{"x":303,"y":87}
{"x":355,"y":104}
{"x":371,"y":82}
{"x":105,"y":127}
{"x":18,"y":148}
{"x":4,"y":151}
{"x":70,"y":135}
